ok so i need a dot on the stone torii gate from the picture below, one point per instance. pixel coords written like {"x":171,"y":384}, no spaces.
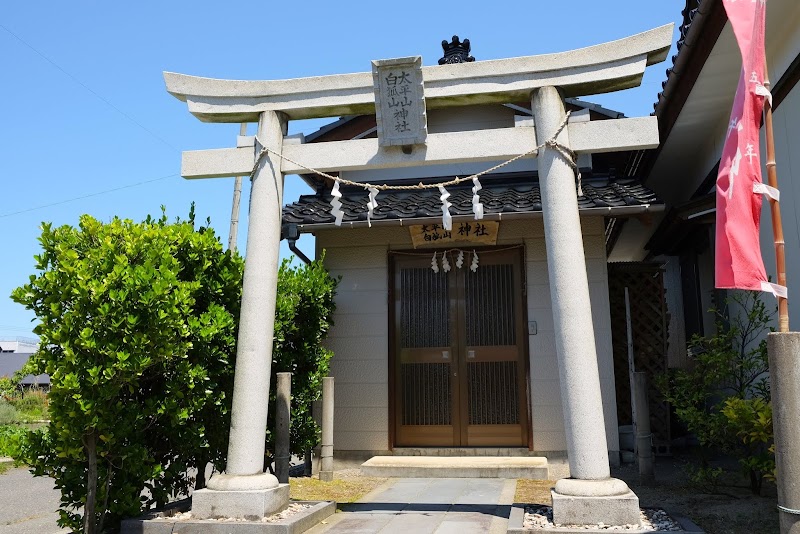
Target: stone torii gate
{"x":244,"y":490}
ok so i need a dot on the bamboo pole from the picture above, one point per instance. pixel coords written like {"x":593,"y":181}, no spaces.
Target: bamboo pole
{"x":777,"y":226}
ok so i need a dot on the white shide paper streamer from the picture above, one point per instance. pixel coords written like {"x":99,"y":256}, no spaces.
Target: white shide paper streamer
{"x":447,"y":219}
{"x":336,"y":205}
{"x":371,"y":205}
{"x":477,"y":207}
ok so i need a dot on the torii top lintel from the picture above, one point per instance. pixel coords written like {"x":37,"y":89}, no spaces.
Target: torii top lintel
{"x":602,"y":68}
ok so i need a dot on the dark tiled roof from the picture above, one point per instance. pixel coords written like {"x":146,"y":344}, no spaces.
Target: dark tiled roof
{"x":689,"y":13}
{"x":315,"y":209}
{"x":12,"y":362}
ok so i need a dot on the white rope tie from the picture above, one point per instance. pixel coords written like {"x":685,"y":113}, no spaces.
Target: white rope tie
{"x":765,"y":189}
{"x":778,"y":290}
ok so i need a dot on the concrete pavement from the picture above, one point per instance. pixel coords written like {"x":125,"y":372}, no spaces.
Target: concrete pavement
{"x":28,"y":504}
{"x":428,"y":505}
{"x":421,"y":505}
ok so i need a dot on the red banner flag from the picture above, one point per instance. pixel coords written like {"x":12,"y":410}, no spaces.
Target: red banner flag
{"x":739,"y":188}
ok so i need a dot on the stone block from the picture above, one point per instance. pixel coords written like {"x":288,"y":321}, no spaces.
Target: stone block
{"x":530,"y":467}
{"x":591,"y":510}
{"x":252,"y":505}
{"x":295,"y":524}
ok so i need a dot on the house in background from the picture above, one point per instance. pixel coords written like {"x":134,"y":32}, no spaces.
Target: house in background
{"x":14,"y":354}
{"x":694,"y":111}
{"x":445,"y":341}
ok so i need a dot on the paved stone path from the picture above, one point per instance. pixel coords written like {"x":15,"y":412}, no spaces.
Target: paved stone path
{"x":426,"y":505}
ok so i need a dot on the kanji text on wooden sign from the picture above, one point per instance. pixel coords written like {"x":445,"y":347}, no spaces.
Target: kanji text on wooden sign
{"x":468,"y":232}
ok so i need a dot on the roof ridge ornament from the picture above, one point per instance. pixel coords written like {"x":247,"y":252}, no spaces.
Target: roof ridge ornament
{"x":456,"y":51}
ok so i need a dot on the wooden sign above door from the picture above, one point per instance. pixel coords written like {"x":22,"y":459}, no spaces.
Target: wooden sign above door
{"x":466,"y":232}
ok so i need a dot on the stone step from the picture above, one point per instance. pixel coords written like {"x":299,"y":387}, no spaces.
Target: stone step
{"x":532,"y":467}
{"x":463,"y":451}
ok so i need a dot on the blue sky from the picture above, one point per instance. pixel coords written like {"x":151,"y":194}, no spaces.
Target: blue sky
{"x":85,"y":110}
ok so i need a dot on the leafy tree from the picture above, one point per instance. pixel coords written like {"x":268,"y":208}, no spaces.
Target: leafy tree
{"x":724,"y":398}
{"x":137,"y":323}
{"x":8,"y":388}
{"x":303,"y":317}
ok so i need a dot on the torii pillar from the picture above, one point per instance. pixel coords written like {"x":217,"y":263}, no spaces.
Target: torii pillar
{"x":591,"y":495}
{"x":244,"y":490}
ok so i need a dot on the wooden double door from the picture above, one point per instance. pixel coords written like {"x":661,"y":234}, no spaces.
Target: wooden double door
{"x":459,"y":359}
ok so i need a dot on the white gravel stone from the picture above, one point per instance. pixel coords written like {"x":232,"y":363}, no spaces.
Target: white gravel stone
{"x":292,"y":509}
{"x":541,"y":517}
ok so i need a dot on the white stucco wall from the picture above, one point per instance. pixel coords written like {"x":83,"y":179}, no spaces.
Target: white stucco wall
{"x":360,"y":342}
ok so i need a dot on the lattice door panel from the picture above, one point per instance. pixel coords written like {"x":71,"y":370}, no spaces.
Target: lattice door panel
{"x":489,"y":306}
{"x":645,"y":283}
{"x":426,"y":379}
{"x":493,"y":393}
{"x":427,"y":394}
{"x":425,"y":309}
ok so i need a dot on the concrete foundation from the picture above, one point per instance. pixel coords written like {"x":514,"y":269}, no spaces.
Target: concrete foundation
{"x":784,"y":375}
{"x":251,"y":505}
{"x":609,"y":509}
{"x":163,"y":523}
{"x":589,"y":502}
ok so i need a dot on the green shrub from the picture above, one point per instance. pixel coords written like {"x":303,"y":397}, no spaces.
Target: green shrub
{"x":8,"y":388}
{"x":137,"y":330}
{"x":723,"y":399}
{"x":704,"y":478}
{"x":11,"y":440}
{"x":8,"y":414}
{"x":303,"y":317}
{"x":32,"y":405}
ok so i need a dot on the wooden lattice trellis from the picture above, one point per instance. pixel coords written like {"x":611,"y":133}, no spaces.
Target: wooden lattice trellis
{"x":645,"y":283}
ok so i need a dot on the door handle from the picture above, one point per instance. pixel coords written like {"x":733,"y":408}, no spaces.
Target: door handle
{"x":471,"y":354}
{"x":445,"y":354}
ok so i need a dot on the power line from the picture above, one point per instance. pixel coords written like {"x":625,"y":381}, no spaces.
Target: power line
{"x":92,"y":91}
{"x":86,"y":196}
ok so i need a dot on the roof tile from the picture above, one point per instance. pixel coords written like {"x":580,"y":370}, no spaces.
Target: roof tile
{"x":316,"y":209}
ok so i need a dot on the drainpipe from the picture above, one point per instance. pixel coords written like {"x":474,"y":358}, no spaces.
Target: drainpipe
{"x":292,"y":233}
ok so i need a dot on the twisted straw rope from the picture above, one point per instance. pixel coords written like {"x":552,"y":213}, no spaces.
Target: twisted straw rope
{"x":567,"y":154}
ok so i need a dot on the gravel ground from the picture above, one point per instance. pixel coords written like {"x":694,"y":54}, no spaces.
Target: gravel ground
{"x":732,"y":510}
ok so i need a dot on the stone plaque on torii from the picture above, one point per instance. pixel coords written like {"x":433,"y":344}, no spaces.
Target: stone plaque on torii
{"x":400,"y":102}
{"x":545,"y":80}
